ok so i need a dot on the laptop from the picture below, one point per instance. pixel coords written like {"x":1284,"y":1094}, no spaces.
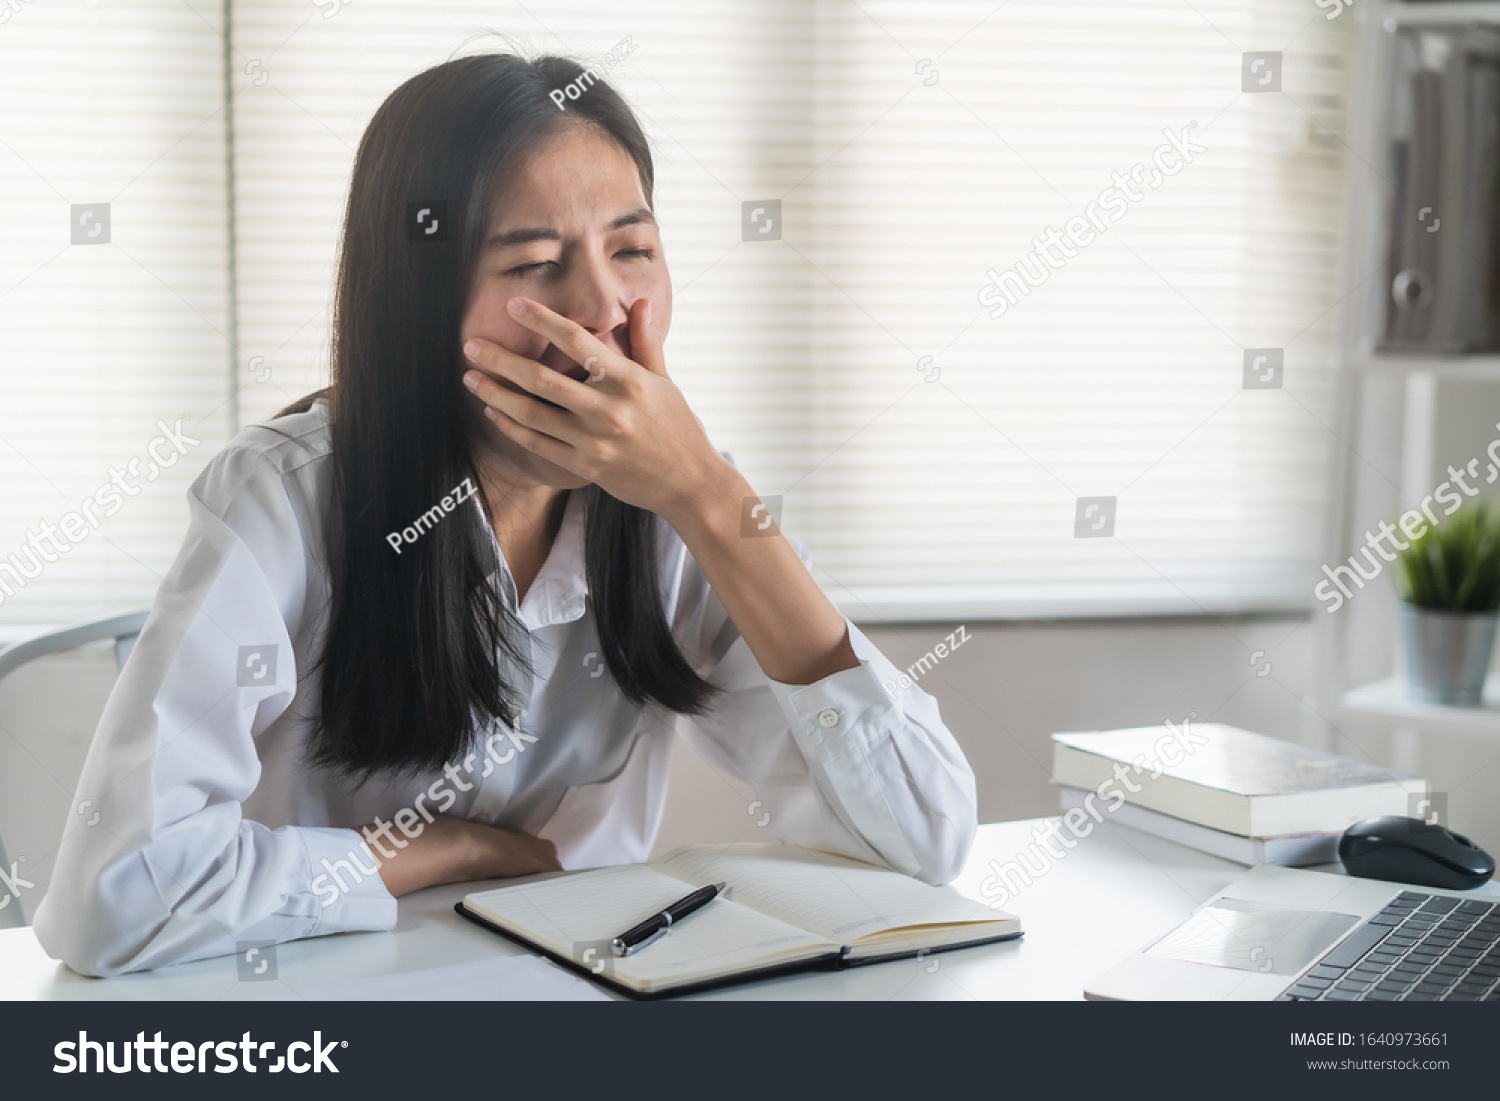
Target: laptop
{"x":1286,"y":934}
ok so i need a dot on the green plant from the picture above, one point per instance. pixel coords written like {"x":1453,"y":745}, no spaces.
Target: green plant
{"x":1455,"y":567}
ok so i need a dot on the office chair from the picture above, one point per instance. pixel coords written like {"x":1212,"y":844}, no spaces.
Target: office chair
{"x":124,"y":629}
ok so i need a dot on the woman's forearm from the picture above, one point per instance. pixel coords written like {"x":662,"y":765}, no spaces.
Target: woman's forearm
{"x":450,"y":850}
{"x":790,"y":625}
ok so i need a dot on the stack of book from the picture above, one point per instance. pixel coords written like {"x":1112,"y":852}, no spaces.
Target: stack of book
{"x":1226,"y":791}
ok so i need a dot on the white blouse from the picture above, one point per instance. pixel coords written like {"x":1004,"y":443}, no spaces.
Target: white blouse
{"x":212,"y":829}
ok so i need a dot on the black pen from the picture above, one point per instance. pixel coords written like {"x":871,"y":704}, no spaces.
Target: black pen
{"x":636,"y":938}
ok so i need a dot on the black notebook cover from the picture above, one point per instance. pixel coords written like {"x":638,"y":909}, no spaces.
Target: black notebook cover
{"x":832,"y":961}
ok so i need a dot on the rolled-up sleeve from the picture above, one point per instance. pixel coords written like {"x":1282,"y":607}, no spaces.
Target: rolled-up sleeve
{"x":166,"y":868}
{"x":844,"y":764}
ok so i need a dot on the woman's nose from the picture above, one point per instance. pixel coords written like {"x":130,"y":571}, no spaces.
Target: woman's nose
{"x":595,"y":299}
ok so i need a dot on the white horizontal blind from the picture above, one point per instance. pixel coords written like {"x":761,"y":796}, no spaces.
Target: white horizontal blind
{"x":118,"y":104}
{"x":913,"y":147}
{"x":1119,"y":376}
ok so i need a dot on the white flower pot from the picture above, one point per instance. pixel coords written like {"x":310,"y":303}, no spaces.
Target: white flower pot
{"x":1447,"y":654}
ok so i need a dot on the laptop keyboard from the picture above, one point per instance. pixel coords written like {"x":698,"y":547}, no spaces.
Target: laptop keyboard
{"x":1420,"y":948}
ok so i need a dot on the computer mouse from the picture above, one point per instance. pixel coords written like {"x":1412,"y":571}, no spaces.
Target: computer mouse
{"x":1409,"y":850}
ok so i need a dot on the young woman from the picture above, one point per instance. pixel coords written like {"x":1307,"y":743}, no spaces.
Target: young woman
{"x":442,"y":621}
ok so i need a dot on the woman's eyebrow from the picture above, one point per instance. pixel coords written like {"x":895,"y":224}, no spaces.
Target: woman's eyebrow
{"x":522,"y":237}
{"x":634,"y":218}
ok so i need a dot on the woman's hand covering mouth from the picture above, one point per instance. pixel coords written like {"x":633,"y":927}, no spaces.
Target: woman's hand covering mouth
{"x":617,"y":340}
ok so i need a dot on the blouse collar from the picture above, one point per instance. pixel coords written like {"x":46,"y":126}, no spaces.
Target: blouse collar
{"x":559,"y":593}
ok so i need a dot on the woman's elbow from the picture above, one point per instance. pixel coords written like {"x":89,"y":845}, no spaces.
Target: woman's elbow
{"x":100,"y":924}
{"x":75,"y":935}
{"x":946,"y":850}
{"x":951,"y":823}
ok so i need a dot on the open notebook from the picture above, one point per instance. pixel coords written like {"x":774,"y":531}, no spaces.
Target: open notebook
{"x":784,"y":909}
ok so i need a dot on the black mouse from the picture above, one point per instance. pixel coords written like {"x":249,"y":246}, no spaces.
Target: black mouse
{"x":1409,"y":850}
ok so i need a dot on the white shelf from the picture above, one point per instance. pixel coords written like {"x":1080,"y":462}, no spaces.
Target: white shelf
{"x":1455,"y":11}
{"x":1388,"y":699}
{"x":1480,"y":367}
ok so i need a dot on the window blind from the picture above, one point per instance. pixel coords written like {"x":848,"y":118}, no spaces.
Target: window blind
{"x":114,"y":351}
{"x":905,"y":155}
{"x":931,"y":456}
{"x":1122,"y":375}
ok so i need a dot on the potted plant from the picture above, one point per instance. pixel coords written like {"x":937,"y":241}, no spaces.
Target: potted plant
{"x":1449,"y":583}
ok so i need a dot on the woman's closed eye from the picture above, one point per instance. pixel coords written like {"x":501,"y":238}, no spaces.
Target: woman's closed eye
{"x":535,"y":268}
{"x":540,"y":267}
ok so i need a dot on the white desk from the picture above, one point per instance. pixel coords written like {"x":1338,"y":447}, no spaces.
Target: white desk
{"x":1117,"y":890}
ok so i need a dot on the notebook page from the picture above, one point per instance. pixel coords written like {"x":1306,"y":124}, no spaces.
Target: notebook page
{"x":571,"y":912}
{"x":837,"y":898}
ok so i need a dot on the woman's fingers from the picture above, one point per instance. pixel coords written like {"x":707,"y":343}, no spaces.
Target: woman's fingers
{"x":538,"y":443}
{"x":529,"y":375}
{"x":576,"y":342}
{"x":524,"y":409}
{"x":645,"y":344}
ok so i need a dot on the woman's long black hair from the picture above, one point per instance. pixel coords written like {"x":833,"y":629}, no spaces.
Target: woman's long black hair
{"x":419,"y":644}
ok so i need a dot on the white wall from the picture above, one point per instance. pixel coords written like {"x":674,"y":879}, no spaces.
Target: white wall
{"x":47,"y":714}
{"x":1004,"y":694}
{"x":1006,"y":691}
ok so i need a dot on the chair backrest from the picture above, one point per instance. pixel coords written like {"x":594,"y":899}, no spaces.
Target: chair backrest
{"x":124,"y":629}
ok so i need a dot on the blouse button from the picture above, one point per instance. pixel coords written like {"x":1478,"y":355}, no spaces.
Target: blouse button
{"x":828,"y":717}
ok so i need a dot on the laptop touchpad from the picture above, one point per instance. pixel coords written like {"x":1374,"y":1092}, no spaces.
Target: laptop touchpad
{"x":1253,"y":936}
